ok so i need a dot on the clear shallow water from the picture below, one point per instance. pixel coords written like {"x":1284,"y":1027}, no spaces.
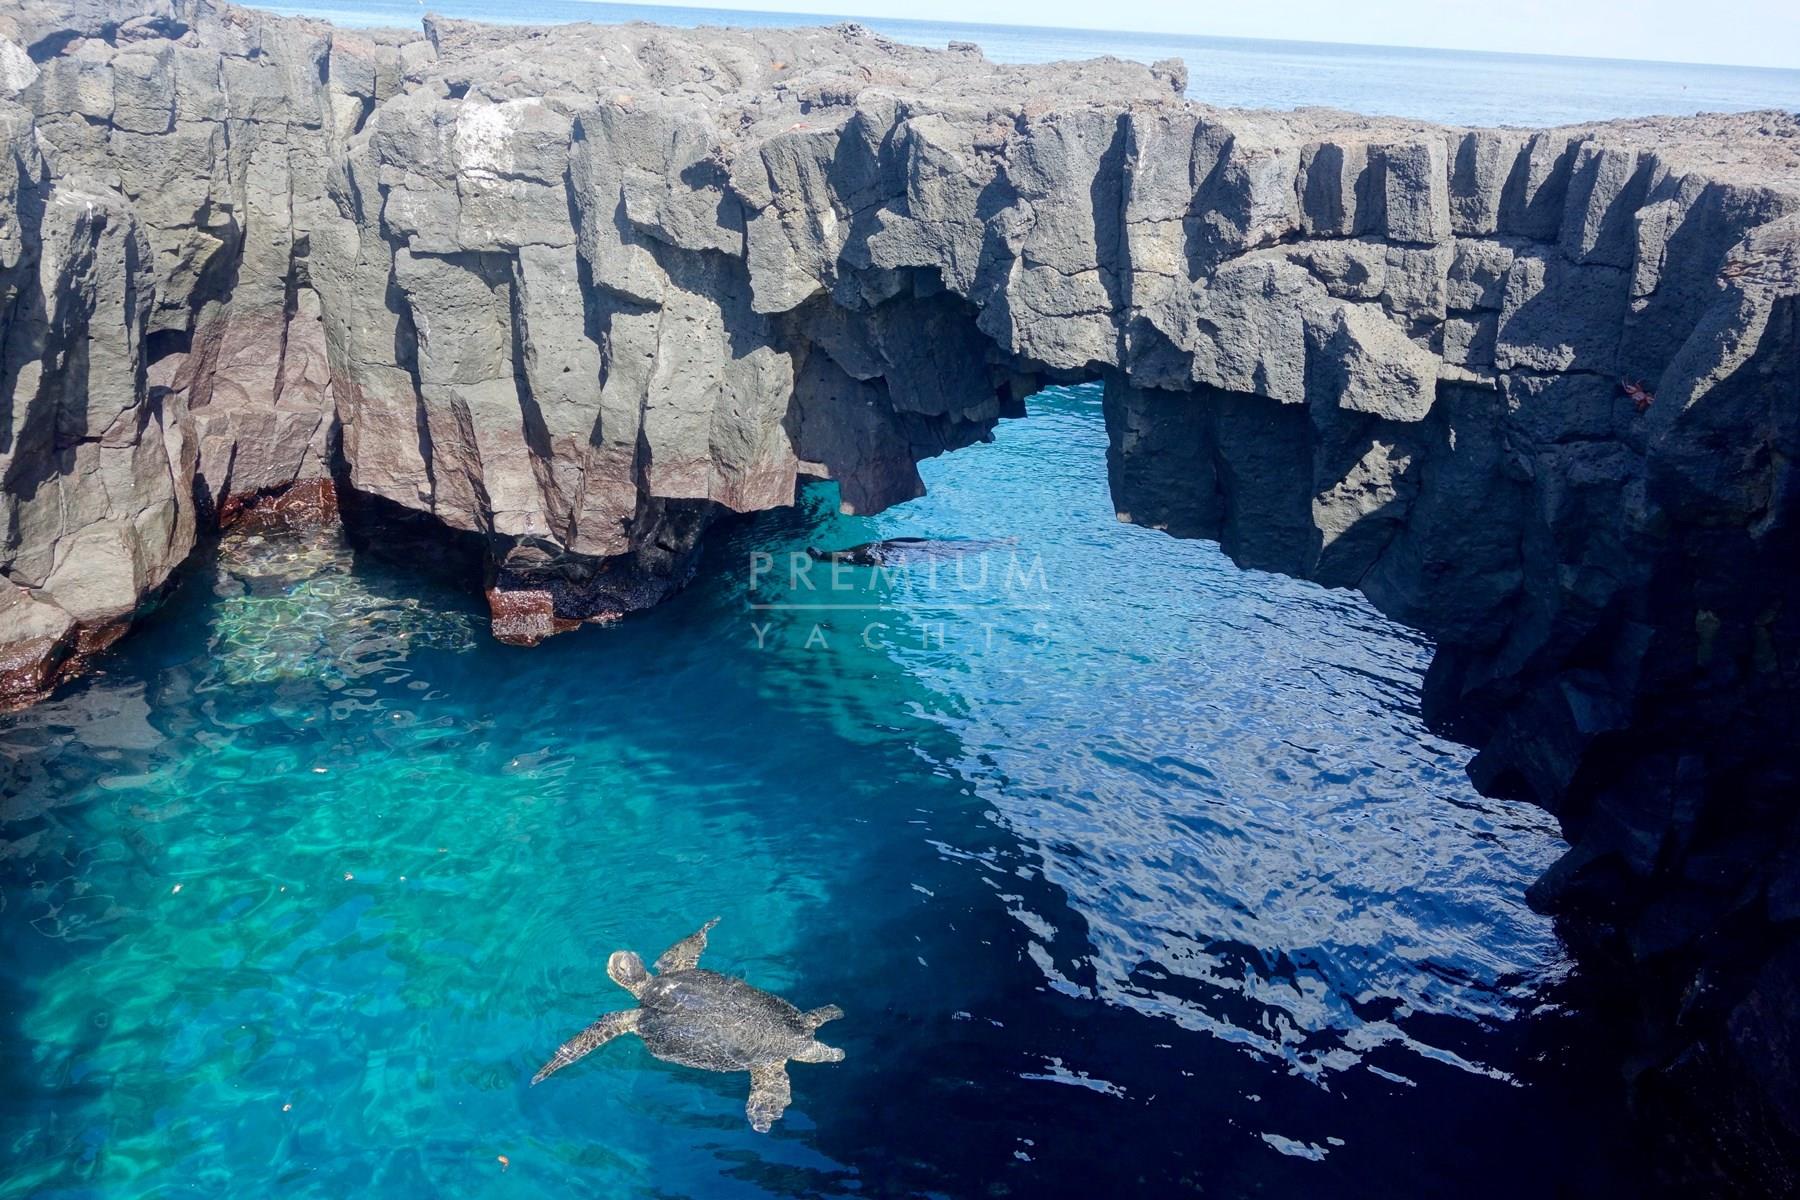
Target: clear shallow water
{"x":1132,"y":871}
{"x":1458,"y":87}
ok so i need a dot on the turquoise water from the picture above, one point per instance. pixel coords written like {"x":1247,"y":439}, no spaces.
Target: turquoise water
{"x":1133,"y":873}
{"x":1458,"y":87}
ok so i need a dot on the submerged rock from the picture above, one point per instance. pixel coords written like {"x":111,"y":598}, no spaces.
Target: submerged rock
{"x":293,"y":604}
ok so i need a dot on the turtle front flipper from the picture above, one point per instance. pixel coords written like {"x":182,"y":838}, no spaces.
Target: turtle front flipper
{"x":818,"y":1016}
{"x":685,"y":954}
{"x":770,"y":1093}
{"x":589,"y":1040}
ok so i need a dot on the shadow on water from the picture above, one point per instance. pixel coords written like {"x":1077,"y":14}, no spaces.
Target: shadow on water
{"x":1145,"y":879}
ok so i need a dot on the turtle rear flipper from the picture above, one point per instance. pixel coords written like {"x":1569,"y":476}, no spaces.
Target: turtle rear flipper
{"x":589,"y":1040}
{"x":685,"y":954}
{"x":818,"y":1052}
{"x":770,"y":1092}
{"x":818,"y":1016}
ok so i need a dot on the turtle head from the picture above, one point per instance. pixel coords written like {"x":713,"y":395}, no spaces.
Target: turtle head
{"x":627,"y":970}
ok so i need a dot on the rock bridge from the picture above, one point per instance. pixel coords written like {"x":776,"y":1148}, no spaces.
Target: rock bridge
{"x":576,"y":291}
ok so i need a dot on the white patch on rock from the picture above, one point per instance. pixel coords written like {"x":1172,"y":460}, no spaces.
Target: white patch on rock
{"x":17,"y":71}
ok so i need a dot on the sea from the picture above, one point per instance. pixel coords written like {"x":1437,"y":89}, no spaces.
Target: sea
{"x":1133,"y":873}
{"x":1454,"y":87}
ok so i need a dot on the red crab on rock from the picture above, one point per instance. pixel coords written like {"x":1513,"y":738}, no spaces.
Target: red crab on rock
{"x":1640,"y":395}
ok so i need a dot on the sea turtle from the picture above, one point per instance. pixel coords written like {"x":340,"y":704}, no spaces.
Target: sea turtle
{"x":704,"y":1019}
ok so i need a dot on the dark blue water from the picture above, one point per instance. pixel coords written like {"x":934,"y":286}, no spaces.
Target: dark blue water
{"x":1133,"y":872}
{"x":1458,"y":87}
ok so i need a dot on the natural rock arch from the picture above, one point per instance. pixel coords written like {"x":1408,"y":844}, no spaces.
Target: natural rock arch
{"x":575,"y":290}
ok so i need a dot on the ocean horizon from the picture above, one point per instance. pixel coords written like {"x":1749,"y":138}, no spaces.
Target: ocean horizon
{"x":1454,"y":87}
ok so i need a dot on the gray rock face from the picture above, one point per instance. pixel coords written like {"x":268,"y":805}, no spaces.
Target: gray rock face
{"x":578,"y":290}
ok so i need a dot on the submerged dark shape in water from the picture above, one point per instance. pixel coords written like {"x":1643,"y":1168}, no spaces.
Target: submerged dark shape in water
{"x":711,"y":1021}
{"x":893,"y":551}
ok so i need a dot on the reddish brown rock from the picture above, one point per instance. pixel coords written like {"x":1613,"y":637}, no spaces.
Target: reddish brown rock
{"x":525,"y":617}
{"x":44,"y":646}
{"x":30,"y":669}
{"x":306,"y":505}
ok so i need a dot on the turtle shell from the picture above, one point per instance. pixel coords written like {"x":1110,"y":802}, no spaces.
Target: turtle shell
{"x":714,"y":1022}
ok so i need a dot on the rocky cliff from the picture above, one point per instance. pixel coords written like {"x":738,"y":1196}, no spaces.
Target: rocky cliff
{"x":575,"y":291}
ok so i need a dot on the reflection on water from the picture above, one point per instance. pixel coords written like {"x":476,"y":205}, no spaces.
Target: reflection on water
{"x":1132,"y":872}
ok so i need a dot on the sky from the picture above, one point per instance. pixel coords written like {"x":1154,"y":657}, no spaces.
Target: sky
{"x":1739,"y":32}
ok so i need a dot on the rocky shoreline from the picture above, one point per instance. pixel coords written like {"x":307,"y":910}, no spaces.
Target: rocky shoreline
{"x":575,"y":291}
